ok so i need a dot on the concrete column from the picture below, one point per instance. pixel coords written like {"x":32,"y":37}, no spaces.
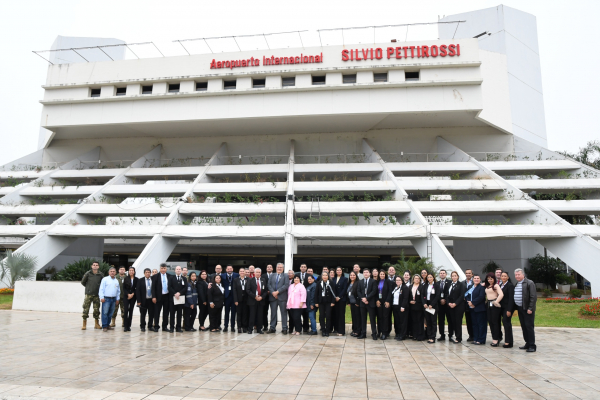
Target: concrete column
{"x":134,"y":89}
{"x":273,"y":82}
{"x":244,"y":83}
{"x":107,"y":91}
{"x":215,"y":85}
{"x":396,"y":75}
{"x":304,"y":80}
{"x":364,"y":77}
{"x":333,"y":78}
{"x":159,"y":88}
{"x":187,"y":86}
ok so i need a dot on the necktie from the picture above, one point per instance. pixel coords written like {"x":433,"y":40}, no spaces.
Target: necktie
{"x":258,"y":286}
{"x":229,"y":278}
{"x":148,"y":286}
{"x":366,"y":286}
{"x":164,"y":281}
{"x":178,"y":279}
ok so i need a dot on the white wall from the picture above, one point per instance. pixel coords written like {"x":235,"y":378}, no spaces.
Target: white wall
{"x":49,"y":296}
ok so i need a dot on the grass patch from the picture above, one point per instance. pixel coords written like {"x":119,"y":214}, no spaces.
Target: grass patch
{"x":6,"y":301}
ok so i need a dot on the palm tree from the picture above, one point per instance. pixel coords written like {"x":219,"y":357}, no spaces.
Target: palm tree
{"x":16,"y":267}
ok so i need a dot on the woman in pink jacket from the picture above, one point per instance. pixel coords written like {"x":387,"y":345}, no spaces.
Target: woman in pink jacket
{"x":296,"y":302}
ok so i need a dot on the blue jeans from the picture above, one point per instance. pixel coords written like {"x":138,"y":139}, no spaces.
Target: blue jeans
{"x":479,"y":326}
{"x":313,"y":319}
{"x":108,"y":308}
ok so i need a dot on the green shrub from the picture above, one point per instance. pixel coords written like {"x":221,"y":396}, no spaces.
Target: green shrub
{"x":76,"y":270}
{"x":547,"y":292}
{"x":575,"y":293}
{"x":490,"y":266}
{"x":544,"y":270}
{"x":564,"y":279}
{"x":412,"y":264}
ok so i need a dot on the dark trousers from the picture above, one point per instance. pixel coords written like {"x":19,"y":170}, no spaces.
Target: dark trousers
{"x":479,"y":319}
{"x":493,"y":317}
{"x":334,"y":317}
{"x":230,"y":309}
{"x":202,"y":314}
{"x":507,"y":322}
{"x":265,"y":317}
{"x":325,"y":311}
{"x":256,"y":315}
{"x":214,"y":316}
{"x":441,"y":311}
{"x":355,"y":313}
{"x":469,"y":322}
{"x":305,"y":319}
{"x":340,"y":321}
{"x":390,"y":322}
{"x":456,"y":317}
{"x":242,"y":314}
{"x":162,"y":305}
{"x":431,"y":320}
{"x":372,"y":313}
{"x":129,"y":306}
{"x":176,"y":309}
{"x":400,"y":321}
{"x":382,"y":318}
{"x":290,"y":321}
{"x":527,"y":326}
{"x":146,"y":307}
{"x":416,"y":317}
{"x":189,"y":315}
{"x":296,"y":319}
{"x":408,"y":322}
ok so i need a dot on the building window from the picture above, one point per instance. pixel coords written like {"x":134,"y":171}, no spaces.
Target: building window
{"x":147,"y":89}
{"x":121,"y":91}
{"x":95,"y":93}
{"x":174,"y":88}
{"x":411,"y":76}
{"x":318,"y":80}
{"x":258,"y":83}
{"x":289,"y":81}
{"x":349,"y":78}
{"x":382,"y":77}
{"x":201,"y":86}
{"x":229,"y":85}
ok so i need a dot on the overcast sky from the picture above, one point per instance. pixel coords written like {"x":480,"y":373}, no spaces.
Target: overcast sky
{"x":567,"y":34}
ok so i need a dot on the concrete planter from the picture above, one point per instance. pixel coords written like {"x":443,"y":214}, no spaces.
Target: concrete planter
{"x":564,"y":288}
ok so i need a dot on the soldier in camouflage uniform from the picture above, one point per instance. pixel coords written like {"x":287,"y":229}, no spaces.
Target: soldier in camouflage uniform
{"x":91,"y":280}
{"x":120,"y":278}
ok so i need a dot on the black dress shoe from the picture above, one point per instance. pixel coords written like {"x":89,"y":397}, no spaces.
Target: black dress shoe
{"x":171,"y":330}
{"x":494,"y":344}
{"x":285,"y":332}
{"x":374,"y":336}
{"x":225,"y":329}
{"x":260,"y":332}
{"x":305,"y":331}
{"x":383,"y":337}
{"x":507,"y":346}
{"x":244,"y":330}
{"x":442,"y":337}
{"x":312,"y":333}
{"x":193,"y":330}
{"x":249,"y":331}
{"x":177,"y":330}
{"x":239,"y":330}
{"x":143,"y":329}
{"x":400,"y":338}
{"x":165,"y":330}
{"x":155,"y":329}
{"x":363,"y":336}
{"x":469,"y":339}
{"x":525,"y":347}
{"x":323,"y":334}
{"x":187,"y":330}
{"x":531,"y":349}
{"x":271,"y":330}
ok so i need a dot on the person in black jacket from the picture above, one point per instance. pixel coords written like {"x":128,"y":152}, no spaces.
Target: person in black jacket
{"x":415,"y":299}
{"x":240,"y":298}
{"x":442,"y":310}
{"x":216,"y":299}
{"x":456,"y":302}
{"x":303,"y":274}
{"x":508,"y":304}
{"x":160,"y":297}
{"x":398,"y":298}
{"x":384,"y":288}
{"x":191,"y":303}
{"x":257,"y":291}
{"x":354,"y":304}
{"x":144,"y":300}
{"x":431,"y":297}
{"x":367,"y":294}
{"x":340,"y":284}
{"x":177,"y":290}
{"x":129,"y":289}
{"x":202,"y":288}
{"x":325,"y":300}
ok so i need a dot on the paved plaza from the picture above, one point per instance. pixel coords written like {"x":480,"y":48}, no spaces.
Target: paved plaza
{"x":48,"y":356}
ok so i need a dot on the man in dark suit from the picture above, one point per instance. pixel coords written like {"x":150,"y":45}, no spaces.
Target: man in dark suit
{"x":144,"y":300}
{"x":257,"y":292}
{"x":160,"y":297}
{"x":302,"y":275}
{"x":442,"y":287}
{"x":177,"y":290}
{"x":508,"y":305}
{"x":340,"y":287}
{"x":468,"y":283}
{"x":218,"y":271}
{"x":240,"y":299}
{"x":367,"y":294}
{"x":227,"y":281}
{"x":266,"y":276}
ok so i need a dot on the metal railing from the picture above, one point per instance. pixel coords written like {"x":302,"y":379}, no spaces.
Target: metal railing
{"x":330,"y":158}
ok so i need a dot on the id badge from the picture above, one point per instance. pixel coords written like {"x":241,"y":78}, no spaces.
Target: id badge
{"x":442,"y":295}
{"x":380,"y":295}
{"x":418,"y":293}
{"x":432,"y":291}
{"x":229,"y":288}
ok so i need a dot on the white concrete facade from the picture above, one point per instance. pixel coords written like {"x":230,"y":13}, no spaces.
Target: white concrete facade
{"x":343,"y":154}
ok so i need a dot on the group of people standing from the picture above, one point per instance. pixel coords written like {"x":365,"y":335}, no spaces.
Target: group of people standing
{"x":414,"y":306}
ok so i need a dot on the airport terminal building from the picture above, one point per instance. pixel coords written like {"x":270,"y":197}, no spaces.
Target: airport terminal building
{"x":328,"y":155}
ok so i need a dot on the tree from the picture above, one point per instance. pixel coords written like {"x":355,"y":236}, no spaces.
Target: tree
{"x":17,"y":267}
{"x":413,"y":264}
{"x":588,"y":155}
{"x":76,"y":270}
{"x":544,"y":270}
{"x":490,"y":266}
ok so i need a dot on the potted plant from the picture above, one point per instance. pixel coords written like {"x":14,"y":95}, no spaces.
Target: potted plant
{"x":564,"y":282}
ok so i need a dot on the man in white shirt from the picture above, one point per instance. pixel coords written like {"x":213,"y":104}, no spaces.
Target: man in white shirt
{"x":109,"y":294}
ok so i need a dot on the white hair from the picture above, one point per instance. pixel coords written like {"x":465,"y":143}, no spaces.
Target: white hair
{"x":257,"y":270}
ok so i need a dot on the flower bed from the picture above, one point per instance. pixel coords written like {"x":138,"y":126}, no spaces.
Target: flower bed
{"x":7,"y":291}
{"x":591,"y":309}
{"x":571,"y":300}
